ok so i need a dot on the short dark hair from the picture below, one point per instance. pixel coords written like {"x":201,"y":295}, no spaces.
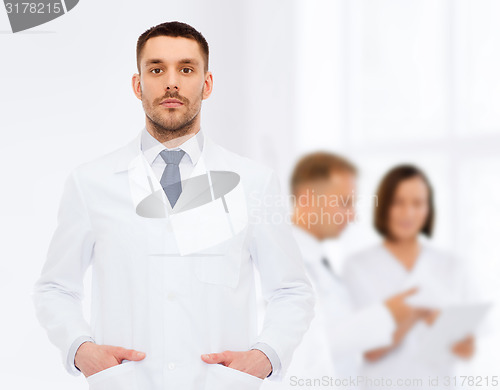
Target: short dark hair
{"x":385,"y":196}
{"x":172,"y":29}
{"x":318,"y":166}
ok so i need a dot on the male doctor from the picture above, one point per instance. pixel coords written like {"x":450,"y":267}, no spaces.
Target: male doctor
{"x":173,"y":225}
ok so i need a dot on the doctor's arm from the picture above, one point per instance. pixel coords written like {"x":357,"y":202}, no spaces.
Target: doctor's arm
{"x":57,"y":294}
{"x":285,"y":286}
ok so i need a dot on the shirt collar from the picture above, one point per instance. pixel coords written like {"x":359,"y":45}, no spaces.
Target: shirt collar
{"x":310,"y":246}
{"x":312,"y":249}
{"x":151,"y":147}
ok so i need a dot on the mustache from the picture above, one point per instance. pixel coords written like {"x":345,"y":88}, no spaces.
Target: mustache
{"x":174,"y":95}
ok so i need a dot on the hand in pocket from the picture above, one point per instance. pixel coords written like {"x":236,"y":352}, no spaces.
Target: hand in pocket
{"x":92,"y":358}
{"x":253,"y":362}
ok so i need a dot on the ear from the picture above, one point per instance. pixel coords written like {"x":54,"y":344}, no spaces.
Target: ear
{"x":136,"y":85}
{"x":208,"y":85}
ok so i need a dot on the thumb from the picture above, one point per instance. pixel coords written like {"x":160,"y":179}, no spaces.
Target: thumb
{"x":222,"y":357}
{"x":129,"y":354}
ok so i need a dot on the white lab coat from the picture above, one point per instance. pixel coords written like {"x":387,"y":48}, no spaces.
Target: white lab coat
{"x":330,"y":353}
{"x":374,"y":275}
{"x":154,"y":293}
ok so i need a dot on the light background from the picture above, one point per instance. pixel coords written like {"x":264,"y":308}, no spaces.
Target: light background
{"x":380,"y":81}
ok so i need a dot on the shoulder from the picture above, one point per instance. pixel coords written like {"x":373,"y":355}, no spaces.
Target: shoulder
{"x":365,"y":255}
{"x":440,"y":256}
{"x":240,"y":161}
{"x":361,"y":260}
{"x":434,"y":250}
{"x":102,"y":167}
{"x":252,"y":172}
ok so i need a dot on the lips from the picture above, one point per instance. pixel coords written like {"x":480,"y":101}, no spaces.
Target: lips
{"x":171,"y":103}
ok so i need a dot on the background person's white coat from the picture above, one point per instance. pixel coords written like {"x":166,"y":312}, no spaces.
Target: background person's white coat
{"x":339,"y":333}
{"x":374,"y":275}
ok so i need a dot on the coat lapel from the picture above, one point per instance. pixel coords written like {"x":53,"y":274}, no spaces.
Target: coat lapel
{"x":147,"y":193}
{"x":211,"y":208}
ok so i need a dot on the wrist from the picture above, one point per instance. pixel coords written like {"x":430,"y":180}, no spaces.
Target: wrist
{"x":265,"y":360}
{"x":82,"y":347}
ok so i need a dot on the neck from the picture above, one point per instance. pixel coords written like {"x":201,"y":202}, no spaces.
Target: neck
{"x":405,"y":250}
{"x":173,"y":138}
{"x":402,"y":243}
{"x":300,"y":219}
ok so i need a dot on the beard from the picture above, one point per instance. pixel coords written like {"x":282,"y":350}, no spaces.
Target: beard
{"x":169,"y":122}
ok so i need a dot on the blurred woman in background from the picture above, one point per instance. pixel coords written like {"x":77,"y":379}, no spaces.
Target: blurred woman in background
{"x":404,"y":213}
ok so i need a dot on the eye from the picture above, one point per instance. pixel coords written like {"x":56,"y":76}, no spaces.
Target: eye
{"x":155,"y":69}
{"x":186,"y":70}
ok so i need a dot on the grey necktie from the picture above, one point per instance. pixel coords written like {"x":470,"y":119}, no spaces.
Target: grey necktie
{"x":328,"y":266}
{"x":171,"y":178}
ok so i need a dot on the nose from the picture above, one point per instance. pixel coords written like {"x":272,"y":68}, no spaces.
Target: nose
{"x":172,"y":83}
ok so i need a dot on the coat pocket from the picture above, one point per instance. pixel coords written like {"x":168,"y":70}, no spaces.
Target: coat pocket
{"x":220,"y":377}
{"x":221,"y":264}
{"x":119,"y":377}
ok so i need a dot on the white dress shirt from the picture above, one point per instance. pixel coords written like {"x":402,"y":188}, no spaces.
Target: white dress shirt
{"x":151,"y":148}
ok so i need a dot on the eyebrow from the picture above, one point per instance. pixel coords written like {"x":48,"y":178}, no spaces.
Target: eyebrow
{"x":182,"y":61}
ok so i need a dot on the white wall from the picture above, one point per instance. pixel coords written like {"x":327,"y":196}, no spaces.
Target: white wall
{"x":390,"y":81}
{"x":377,"y":80}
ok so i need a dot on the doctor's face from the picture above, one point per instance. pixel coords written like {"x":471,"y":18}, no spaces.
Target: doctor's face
{"x":172,"y":83}
{"x":409,"y":209}
{"x":333,"y":203}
